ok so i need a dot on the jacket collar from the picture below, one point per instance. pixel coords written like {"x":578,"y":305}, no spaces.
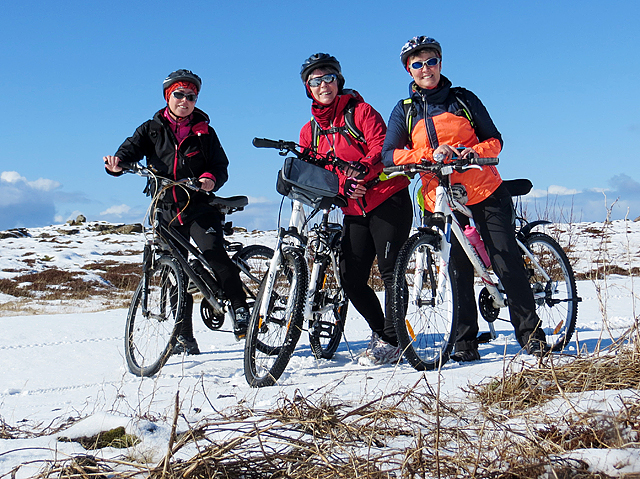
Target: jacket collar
{"x":436,"y":96}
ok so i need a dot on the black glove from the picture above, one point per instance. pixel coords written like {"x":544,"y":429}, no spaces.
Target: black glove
{"x":349,"y":187}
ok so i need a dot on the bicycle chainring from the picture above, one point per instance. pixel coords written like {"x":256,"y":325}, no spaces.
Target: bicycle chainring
{"x":210,"y":320}
{"x":485,"y":303}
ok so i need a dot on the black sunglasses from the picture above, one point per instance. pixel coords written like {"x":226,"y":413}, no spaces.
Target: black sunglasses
{"x":328,"y":78}
{"x":178,"y":95}
{"x":431,"y":62}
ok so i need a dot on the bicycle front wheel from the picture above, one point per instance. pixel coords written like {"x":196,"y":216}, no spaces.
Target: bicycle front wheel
{"x":424,"y":297}
{"x":329,"y":313}
{"x":554,"y":288}
{"x":272,"y":339}
{"x":152,"y":322}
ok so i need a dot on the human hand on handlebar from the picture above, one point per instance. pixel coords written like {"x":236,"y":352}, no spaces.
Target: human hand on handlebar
{"x":207,"y":184}
{"x":355,"y":170}
{"x":446,"y":153}
{"x":353,"y":188}
{"x":111,"y":163}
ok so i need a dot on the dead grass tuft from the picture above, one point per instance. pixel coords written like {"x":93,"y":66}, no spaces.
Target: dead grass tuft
{"x":616,"y":369}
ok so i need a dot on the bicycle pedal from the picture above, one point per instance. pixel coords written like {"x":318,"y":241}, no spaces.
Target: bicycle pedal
{"x":192,"y":288}
{"x":323,"y":329}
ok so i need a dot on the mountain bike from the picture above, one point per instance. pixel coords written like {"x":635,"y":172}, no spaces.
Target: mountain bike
{"x":158,"y":304}
{"x":289,"y":295}
{"x":425,"y":289}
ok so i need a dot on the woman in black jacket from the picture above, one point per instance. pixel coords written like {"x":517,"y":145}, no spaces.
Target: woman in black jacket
{"x":179,"y":143}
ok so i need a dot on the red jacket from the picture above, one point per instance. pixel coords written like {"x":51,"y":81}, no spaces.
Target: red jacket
{"x":371,"y":124}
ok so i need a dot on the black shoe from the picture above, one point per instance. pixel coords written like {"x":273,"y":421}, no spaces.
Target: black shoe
{"x":241,"y":322}
{"x":535,"y":347}
{"x":465,"y":355}
{"x":184,"y":345}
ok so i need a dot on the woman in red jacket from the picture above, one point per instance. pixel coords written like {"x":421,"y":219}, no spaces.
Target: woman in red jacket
{"x":378,"y":216}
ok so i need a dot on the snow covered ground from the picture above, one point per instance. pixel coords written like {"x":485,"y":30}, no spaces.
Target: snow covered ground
{"x":68,"y":362}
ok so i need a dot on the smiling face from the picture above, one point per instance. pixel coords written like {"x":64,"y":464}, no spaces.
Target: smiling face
{"x":183,"y":107}
{"x":325,"y":93}
{"x":426,"y":77}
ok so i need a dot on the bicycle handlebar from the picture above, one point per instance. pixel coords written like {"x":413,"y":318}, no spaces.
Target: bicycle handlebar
{"x":458,"y":163}
{"x":308,"y":154}
{"x":141,"y":170}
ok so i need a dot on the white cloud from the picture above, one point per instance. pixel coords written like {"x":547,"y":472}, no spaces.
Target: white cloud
{"x":256,"y":200}
{"x":12,"y":177}
{"x":42,"y":184}
{"x":117,"y":210}
{"x":561,"y":190}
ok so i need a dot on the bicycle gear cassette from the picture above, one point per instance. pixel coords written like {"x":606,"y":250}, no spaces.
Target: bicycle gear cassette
{"x":210,"y":320}
{"x":485,"y":302}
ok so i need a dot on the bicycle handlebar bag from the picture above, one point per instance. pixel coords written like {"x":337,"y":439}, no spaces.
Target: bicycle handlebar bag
{"x":310,"y":184}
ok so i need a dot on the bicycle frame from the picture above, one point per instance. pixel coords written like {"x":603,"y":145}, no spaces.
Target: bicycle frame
{"x":298,"y":231}
{"x":445,"y":205}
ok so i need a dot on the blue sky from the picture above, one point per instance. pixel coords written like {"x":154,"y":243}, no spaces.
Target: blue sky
{"x":559,"y":78}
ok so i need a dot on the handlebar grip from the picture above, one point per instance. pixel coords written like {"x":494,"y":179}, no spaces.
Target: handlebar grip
{"x":265,"y":143}
{"x":393,"y":169}
{"x":484,"y":161}
{"x":129,"y":165}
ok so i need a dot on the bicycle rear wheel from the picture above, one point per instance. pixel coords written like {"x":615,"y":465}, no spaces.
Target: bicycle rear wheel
{"x":556,"y":297}
{"x":329,"y":313}
{"x":253,"y":261}
{"x":424,"y":308}
{"x":271,"y":340}
{"x":154,"y":314}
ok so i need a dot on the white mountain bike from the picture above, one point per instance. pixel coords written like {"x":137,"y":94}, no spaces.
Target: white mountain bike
{"x":425,"y":288}
{"x":290,"y":295}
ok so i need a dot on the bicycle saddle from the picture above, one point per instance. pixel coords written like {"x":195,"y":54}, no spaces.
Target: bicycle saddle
{"x":518,"y":187}
{"x":231,"y":201}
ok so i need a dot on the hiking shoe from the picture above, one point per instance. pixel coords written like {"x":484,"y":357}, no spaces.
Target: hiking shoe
{"x":538,"y":348}
{"x":465,"y":355}
{"x":184,"y":345}
{"x":241,"y":322}
{"x":381,"y":353}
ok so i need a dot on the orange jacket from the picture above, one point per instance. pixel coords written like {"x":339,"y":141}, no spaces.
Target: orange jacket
{"x":444,"y":123}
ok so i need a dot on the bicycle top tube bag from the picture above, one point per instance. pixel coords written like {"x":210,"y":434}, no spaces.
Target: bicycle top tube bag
{"x":310,"y":184}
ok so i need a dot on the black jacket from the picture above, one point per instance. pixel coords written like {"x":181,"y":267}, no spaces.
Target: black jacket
{"x":199,"y":154}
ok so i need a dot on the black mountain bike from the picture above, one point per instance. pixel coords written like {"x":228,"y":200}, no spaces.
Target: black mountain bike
{"x":158,"y":304}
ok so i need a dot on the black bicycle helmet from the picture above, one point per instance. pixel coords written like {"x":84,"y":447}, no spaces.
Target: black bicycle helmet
{"x":319,"y":60}
{"x":181,"y":75}
{"x":416,"y":44}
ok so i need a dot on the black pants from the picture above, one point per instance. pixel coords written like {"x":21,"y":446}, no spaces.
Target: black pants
{"x":206,"y":231}
{"x":381,"y":233}
{"x":495,"y":219}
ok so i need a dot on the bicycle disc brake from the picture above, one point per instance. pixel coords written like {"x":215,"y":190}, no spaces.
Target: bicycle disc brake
{"x":210,"y":320}
{"x":485,"y":303}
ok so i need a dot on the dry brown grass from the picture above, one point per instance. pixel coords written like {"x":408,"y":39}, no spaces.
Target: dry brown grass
{"x":408,"y":434}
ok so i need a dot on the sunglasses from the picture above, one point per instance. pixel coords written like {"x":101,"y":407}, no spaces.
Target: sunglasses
{"x":431,"y":62}
{"x":178,"y":95}
{"x":328,"y":78}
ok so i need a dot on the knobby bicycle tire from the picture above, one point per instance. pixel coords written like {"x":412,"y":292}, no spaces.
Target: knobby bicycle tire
{"x":329,"y":313}
{"x":152,"y":328}
{"x":256,"y":259}
{"x":271,"y":340}
{"x":556,"y":299}
{"x":424,"y":303}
